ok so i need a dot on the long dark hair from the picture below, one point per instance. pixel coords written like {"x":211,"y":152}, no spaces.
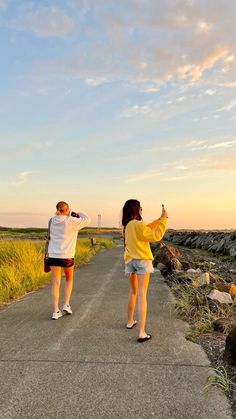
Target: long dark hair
{"x":131,"y":211}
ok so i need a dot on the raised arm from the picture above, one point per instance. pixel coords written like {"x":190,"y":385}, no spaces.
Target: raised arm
{"x":152,"y":232}
{"x":82,"y":221}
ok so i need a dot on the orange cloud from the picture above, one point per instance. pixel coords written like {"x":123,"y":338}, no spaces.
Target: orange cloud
{"x":195,"y":71}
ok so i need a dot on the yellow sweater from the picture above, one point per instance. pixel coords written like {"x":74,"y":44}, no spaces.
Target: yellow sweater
{"x":138,"y":235}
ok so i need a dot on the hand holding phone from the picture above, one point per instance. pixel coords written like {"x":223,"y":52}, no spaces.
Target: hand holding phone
{"x":164,"y":213}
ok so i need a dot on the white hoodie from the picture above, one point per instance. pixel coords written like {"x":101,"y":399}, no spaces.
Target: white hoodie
{"x":63,"y":235}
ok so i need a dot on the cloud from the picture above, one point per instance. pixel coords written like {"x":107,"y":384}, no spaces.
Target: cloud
{"x":231,"y":105}
{"x":209,"y":92}
{"x":181,"y":99}
{"x":218,"y":163}
{"x":229,"y":84}
{"x":45,"y":22}
{"x":221,"y":145}
{"x":195,"y":71}
{"x":229,"y":59}
{"x":96,"y":81}
{"x":29,"y":147}
{"x":21,"y":178}
{"x":37,"y":146}
{"x":219,"y":159}
{"x":141,"y":43}
{"x":192,"y":145}
{"x":158,"y":108}
{"x":203,"y":26}
{"x":135,"y":110}
{"x":196,"y":145}
{"x":225,"y":144}
{"x":216,"y":159}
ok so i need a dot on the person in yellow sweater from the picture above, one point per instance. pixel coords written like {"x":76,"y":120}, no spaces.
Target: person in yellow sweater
{"x":138,"y":259}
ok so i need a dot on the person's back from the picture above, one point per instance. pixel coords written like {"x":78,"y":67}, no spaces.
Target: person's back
{"x":63,"y":235}
{"x":63,"y":231}
{"x":138,"y":235}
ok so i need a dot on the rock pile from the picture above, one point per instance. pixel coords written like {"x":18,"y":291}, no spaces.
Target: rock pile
{"x":171,"y":263}
{"x":221,"y":242}
{"x":214,"y":291}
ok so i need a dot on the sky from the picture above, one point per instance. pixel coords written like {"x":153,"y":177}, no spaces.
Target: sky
{"x":106,"y":100}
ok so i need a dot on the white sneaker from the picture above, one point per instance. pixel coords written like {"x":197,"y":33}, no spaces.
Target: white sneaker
{"x":57,"y":315}
{"x":67,"y":309}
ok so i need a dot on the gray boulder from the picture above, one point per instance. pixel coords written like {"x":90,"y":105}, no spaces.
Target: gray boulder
{"x":165,"y":254}
{"x":222,"y":242}
{"x":222,"y":297}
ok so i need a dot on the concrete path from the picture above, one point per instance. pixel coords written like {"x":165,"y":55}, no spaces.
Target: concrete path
{"x":89,"y":366}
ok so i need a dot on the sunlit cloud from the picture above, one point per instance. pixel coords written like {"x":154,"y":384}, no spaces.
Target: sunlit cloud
{"x":229,"y":59}
{"x":113,"y":53}
{"x":221,"y":145}
{"x":180,"y":99}
{"x":192,"y":168}
{"x":229,"y":84}
{"x":225,"y":144}
{"x":218,"y":163}
{"x":182,"y":167}
{"x":44,"y":22}
{"x":209,"y":92}
{"x":203,"y":26}
{"x":122,"y":94}
{"x":21,"y":178}
{"x":150,"y":88}
{"x":192,"y":145}
{"x":214,"y":162}
{"x":195,"y":71}
{"x":228,"y":107}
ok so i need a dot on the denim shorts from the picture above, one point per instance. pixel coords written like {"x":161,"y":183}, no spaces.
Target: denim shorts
{"x":139,"y":266}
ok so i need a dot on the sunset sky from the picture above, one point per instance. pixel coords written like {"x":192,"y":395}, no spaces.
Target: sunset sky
{"x":103,"y":100}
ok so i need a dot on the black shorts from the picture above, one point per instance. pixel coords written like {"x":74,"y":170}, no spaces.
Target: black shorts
{"x":64,"y":263}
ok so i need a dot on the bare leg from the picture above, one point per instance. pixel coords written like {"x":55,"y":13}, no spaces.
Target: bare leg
{"x":56,"y":282}
{"x":143,"y":281}
{"x":69,"y":284}
{"x":133,"y":282}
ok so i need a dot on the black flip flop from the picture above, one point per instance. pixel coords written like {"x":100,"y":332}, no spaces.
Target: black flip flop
{"x":148,"y":337}
{"x":134,"y":324}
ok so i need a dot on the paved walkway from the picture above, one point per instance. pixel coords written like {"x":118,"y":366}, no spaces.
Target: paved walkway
{"x":89,"y":366}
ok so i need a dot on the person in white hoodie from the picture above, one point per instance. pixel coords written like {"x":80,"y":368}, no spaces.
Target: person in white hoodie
{"x":63,"y":231}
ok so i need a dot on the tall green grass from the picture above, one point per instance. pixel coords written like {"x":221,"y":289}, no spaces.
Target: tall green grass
{"x":21,"y":264}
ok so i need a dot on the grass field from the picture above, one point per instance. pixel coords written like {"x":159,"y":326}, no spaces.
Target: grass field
{"x":21,"y":264}
{"x":41,"y":233}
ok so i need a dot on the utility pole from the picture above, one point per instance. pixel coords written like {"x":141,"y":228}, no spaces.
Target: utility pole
{"x":99,"y":221}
